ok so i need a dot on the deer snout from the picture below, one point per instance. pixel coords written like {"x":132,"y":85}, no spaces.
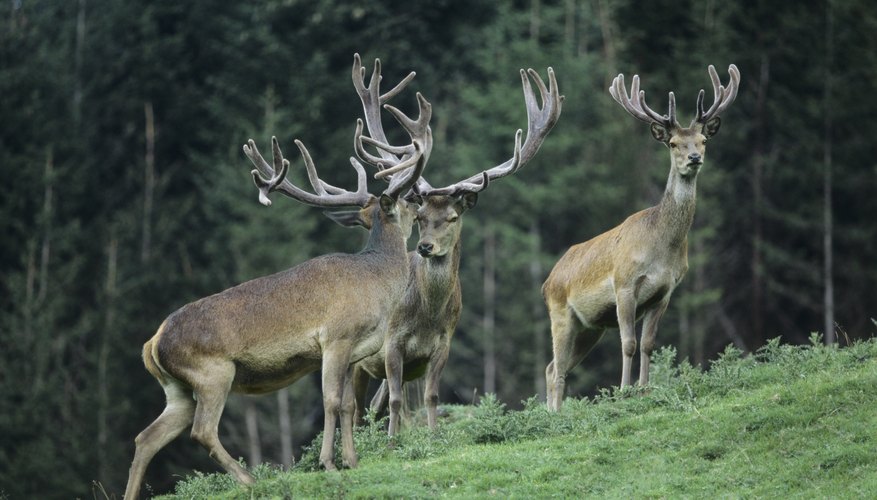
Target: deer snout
{"x":695,"y":158}
{"x":425,"y":249}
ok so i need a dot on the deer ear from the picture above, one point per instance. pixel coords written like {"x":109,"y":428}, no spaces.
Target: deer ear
{"x":414,"y":198}
{"x":349,"y":218}
{"x":467,"y":200}
{"x":711,"y":127}
{"x":660,"y":133}
{"x":388,"y":204}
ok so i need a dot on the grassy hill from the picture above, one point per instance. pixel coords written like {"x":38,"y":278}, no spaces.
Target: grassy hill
{"x":789,"y":421}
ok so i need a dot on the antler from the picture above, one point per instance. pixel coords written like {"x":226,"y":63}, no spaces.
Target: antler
{"x":635,"y":103}
{"x":391,"y":159}
{"x":722,"y":96}
{"x":540,"y":121}
{"x":372,"y":101}
{"x":324,"y":195}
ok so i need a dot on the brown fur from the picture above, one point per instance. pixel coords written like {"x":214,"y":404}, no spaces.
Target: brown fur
{"x":419,"y":338}
{"x":625,"y":274}
{"x":268,"y":332}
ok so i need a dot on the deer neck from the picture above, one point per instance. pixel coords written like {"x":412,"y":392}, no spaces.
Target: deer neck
{"x":676,"y":210}
{"x":437,"y":276}
{"x":385,"y":238}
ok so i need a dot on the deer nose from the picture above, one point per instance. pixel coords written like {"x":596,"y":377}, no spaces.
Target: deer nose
{"x":694,"y":158}
{"x":425,"y":249}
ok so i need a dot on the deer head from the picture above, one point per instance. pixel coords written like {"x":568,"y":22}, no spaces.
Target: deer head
{"x":441,"y":208}
{"x":687,"y":144}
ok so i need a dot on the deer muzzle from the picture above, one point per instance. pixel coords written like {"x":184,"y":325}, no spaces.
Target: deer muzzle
{"x":425,"y":249}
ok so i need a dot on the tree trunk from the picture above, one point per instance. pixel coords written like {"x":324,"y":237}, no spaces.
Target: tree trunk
{"x":48,"y":207}
{"x":535,"y":20}
{"x":757,"y":236}
{"x":828,"y":273}
{"x":569,"y":26}
{"x":251,"y":416}
{"x":103,"y":400}
{"x":285,"y":428}
{"x":489,"y":320}
{"x":699,"y":317}
{"x":539,"y":322}
{"x":77,"y":80}
{"x":148,"y":182}
{"x":608,"y":35}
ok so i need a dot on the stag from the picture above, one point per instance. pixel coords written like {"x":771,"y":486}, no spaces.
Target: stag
{"x":630,"y":271}
{"x":264,"y":334}
{"x":418,"y":340}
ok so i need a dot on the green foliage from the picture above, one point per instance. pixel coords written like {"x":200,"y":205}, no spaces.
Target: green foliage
{"x":789,"y":420}
{"x":80,"y":293}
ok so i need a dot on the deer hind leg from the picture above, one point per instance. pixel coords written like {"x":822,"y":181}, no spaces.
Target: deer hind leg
{"x":381,"y":398}
{"x":211,"y":393}
{"x":570,"y":343}
{"x":335,"y":369}
{"x":647,"y":343}
{"x":177,"y":415}
{"x":360,"y":380}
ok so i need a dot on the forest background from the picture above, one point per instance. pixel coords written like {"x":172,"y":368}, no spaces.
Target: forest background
{"x":125,"y":193}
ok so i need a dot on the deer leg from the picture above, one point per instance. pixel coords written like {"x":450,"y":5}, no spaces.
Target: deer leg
{"x":393,"y":366}
{"x":647,"y":343}
{"x":335,"y":368}
{"x":176,"y":416}
{"x":348,"y":409}
{"x":626,"y":310}
{"x":380,"y":399}
{"x":565,"y":329}
{"x":211,"y":399}
{"x":360,"y":388}
{"x":433,"y":373}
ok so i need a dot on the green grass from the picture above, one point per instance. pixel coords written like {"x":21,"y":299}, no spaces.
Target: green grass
{"x":786,"y":422}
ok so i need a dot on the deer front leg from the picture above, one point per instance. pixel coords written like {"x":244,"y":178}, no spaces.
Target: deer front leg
{"x":348,"y":409}
{"x":647,"y":343}
{"x":626,"y":310}
{"x":335,"y":368}
{"x":433,"y":373}
{"x":393,"y":365}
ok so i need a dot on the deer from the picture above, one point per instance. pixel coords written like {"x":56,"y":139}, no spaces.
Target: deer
{"x":629,"y":272}
{"x":323,"y":314}
{"x":418,"y":340}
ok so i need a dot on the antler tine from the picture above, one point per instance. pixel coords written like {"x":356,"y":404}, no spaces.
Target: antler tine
{"x":635,"y":102}
{"x":401,"y":184}
{"x":372,"y":100}
{"x":671,"y":106}
{"x":722,"y":96}
{"x":540,"y":121}
{"x":418,"y":130}
{"x":325,"y":194}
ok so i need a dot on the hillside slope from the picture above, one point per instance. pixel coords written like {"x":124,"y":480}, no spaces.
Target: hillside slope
{"x":787,"y":421}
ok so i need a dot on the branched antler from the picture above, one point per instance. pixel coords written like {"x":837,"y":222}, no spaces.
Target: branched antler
{"x":324,"y":195}
{"x":635,"y":102}
{"x":540,"y":121}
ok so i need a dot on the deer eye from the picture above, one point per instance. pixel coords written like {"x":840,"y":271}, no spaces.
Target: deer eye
{"x":453,"y":218}
{"x":673,"y":145}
